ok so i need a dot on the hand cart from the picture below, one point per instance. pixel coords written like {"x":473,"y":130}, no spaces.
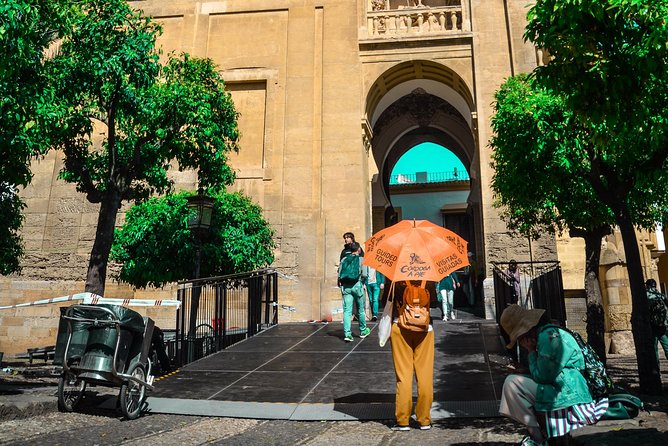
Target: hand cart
{"x":105,"y":345}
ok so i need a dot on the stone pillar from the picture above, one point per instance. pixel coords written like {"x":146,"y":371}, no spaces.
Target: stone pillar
{"x":616,"y":297}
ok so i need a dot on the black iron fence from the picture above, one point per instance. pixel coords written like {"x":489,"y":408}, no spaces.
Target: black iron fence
{"x":217,"y":312}
{"x":535,"y":285}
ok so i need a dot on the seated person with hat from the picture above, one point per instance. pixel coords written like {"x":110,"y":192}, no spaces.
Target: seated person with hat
{"x":554,"y":388}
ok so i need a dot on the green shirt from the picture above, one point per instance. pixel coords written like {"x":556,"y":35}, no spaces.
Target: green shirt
{"x":555,"y":366}
{"x":448,"y":282}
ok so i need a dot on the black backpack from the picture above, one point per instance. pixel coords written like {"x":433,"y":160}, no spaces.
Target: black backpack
{"x":657,"y":309}
{"x":598,"y":381}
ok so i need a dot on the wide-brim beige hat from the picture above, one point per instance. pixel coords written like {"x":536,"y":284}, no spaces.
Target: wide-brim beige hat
{"x":517,"y":321}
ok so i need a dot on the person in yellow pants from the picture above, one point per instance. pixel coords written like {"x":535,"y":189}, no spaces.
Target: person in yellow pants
{"x":413,"y":351}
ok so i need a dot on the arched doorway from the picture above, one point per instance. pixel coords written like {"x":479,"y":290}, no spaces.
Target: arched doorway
{"x":429,"y":182}
{"x":420,"y":102}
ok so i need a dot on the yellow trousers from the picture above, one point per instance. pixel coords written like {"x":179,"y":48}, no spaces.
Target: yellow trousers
{"x":413,"y":351}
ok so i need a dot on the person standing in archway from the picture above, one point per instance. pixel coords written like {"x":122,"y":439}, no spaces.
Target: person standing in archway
{"x":375,"y":282}
{"x":446,"y":295}
{"x":470,"y":280}
{"x":513,"y":275}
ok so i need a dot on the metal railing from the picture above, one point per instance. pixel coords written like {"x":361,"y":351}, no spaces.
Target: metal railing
{"x":540,"y":286}
{"x":217,"y":312}
{"x":429,"y":177}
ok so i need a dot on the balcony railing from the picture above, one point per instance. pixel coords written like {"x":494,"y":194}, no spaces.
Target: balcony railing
{"x":417,"y":21}
{"x":429,"y":177}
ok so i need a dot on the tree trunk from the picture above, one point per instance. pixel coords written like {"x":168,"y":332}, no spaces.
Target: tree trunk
{"x":595,"y":312}
{"x":104,"y":237}
{"x":648,"y":365}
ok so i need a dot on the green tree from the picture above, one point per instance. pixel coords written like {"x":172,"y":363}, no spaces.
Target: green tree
{"x":608,"y":63}
{"x":124,"y":118}
{"x":154,"y":246}
{"x":27,"y":29}
{"x":539,"y":142}
{"x":11,"y":218}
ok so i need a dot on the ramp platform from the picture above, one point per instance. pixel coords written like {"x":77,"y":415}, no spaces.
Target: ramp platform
{"x":305,"y":371}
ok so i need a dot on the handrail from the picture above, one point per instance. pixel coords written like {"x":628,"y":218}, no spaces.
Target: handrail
{"x":257,"y":272}
{"x":451,"y":176}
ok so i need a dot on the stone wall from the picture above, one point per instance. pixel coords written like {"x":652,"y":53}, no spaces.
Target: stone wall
{"x":302,"y":75}
{"x":37,"y":326}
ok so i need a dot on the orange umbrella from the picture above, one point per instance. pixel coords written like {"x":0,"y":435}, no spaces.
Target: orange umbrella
{"x":416,"y":250}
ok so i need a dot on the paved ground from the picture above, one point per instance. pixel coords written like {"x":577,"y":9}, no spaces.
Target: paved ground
{"x":28,"y":416}
{"x":306,"y":372}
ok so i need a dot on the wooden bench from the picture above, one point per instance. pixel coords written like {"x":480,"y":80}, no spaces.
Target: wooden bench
{"x":45,"y":353}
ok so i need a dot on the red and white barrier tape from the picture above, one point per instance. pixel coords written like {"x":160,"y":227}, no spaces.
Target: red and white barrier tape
{"x":94,"y":299}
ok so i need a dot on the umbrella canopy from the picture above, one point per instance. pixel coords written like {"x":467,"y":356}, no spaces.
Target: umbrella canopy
{"x":416,"y":250}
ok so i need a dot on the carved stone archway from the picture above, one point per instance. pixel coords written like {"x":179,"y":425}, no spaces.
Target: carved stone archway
{"x":413,"y":119}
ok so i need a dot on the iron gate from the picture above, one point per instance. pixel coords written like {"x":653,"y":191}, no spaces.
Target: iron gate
{"x":217,"y":312}
{"x":541,"y":286}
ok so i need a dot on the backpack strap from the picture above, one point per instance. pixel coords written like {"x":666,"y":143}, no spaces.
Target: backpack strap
{"x":415,"y":296}
{"x":576,"y":336}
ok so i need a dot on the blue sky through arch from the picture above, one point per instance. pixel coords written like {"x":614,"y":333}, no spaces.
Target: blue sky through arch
{"x":427,"y":157}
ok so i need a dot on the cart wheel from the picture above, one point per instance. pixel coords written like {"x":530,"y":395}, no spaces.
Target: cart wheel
{"x":70,"y":392}
{"x":132,"y":394}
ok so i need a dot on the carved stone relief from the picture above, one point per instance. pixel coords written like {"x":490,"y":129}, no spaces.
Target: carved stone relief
{"x":420,"y":107}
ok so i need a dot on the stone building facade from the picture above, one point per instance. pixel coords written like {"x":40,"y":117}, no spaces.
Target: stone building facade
{"x":331,"y":94}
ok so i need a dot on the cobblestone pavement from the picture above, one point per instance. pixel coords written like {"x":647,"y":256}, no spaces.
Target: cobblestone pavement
{"x":37,"y":423}
{"x":77,"y":428}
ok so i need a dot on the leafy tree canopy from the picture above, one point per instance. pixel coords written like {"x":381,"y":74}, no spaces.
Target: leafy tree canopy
{"x":609,"y":65}
{"x":540,"y":164}
{"x":11,"y":219}
{"x":604,"y":50}
{"x":124,"y":119}
{"x":111,"y":80}
{"x":155,"y":246}
{"x":540,"y":179}
{"x":27,"y":29}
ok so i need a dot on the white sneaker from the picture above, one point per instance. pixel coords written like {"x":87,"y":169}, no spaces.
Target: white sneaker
{"x":445,"y":318}
{"x":452,"y":316}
